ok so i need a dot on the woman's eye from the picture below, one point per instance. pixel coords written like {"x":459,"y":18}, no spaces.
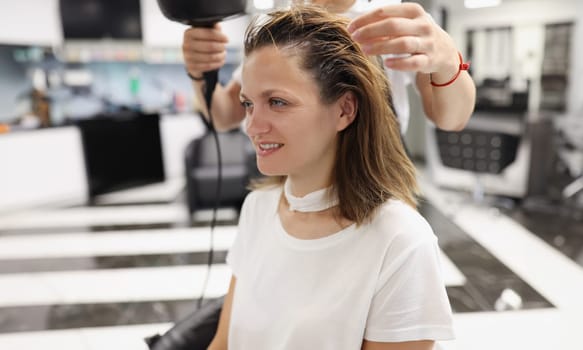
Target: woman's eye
{"x":246,"y":104}
{"x":277,"y":102}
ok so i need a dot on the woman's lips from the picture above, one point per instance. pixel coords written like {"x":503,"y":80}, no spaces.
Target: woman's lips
{"x":267,"y":148}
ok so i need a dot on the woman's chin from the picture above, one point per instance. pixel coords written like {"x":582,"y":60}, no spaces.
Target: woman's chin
{"x":268,"y":171}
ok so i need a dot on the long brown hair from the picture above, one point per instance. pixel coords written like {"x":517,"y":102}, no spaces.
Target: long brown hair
{"x":371,"y":164}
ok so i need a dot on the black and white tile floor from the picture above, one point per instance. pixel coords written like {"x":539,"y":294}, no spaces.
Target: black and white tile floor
{"x":105,"y":277}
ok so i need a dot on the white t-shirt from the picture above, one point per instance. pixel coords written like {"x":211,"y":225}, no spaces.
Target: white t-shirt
{"x":381,"y":281}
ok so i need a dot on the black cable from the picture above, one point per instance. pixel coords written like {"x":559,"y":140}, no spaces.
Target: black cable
{"x":211,"y":79}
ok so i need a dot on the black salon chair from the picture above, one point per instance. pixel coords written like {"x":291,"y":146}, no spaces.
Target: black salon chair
{"x":477,"y":151}
{"x":238,"y":167}
{"x":195,"y":332}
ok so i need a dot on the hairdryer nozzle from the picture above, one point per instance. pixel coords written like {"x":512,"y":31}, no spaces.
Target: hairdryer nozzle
{"x":201,"y":13}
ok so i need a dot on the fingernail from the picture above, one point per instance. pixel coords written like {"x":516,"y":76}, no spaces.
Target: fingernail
{"x":356,"y":35}
{"x":366,"y":48}
{"x":350,"y":28}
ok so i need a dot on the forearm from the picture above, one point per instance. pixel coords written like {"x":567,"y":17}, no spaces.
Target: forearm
{"x":227,"y":111}
{"x":449,"y":107}
{"x":220,"y":340}
{"x":408,"y":345}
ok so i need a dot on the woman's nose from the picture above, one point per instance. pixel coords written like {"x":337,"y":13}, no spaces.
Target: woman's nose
{"x":256,"y":124}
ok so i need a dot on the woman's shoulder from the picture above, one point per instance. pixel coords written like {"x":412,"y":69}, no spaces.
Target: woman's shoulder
{"x":264,"y":195}
{"x":397,"y":219}
{"x":396,"y":207}
{"x":259,"y":202}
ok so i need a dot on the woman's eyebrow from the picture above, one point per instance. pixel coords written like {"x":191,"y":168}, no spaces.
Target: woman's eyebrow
{"x":265,"y":93}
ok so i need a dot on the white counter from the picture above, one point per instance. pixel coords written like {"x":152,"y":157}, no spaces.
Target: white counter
{"x":47,"y":168}
{"x":42,"y":167}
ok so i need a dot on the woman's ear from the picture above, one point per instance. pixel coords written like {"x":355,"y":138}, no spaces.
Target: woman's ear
{"x":348,"y":107}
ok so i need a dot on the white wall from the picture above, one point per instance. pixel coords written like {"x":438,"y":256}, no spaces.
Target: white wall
{"x":176,"y":132}
{"x":156,"y":29}
{"x":30,"y":22}
{"x":575,"y":97}
{"x":509,"y":13}
{"x":528,"y":44}
{"x":527,"y":18}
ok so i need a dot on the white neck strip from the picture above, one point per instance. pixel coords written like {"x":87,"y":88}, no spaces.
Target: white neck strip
{"x":315,"y":201}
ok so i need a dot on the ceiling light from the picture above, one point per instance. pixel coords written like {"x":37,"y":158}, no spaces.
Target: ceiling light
{"x":474,"y":4}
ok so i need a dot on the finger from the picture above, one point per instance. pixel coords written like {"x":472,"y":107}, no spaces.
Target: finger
{"x":214,"y":33}
{"x":198,"y":62}
{"x":203,"y":67}
{"x":206,"y":34}
{"x":400,"y":45}
{"x":416,"y":63}
{"x":388,"y":28}
{"x":405,"y":10}
{"x":209,"y":47}
{"x":205,"y":57}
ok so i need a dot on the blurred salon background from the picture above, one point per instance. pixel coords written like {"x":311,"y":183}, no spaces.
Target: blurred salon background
{"x":108,"y":178}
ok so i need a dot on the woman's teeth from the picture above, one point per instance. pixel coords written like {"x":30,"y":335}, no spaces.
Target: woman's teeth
{"x":267,"y":146}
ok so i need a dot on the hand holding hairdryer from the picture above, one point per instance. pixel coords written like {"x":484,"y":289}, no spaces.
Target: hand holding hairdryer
{"x":203,"y":15}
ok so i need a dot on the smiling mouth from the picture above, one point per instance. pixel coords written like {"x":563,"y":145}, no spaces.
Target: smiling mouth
{"x":269,"y":146}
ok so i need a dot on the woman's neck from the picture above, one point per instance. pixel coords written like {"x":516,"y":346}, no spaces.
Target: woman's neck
{"x":300,"y":187}
{"x":316,"y":200}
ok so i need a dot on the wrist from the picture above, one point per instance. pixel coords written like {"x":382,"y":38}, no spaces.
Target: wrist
{"x":445,"y":72}
{"x":196,"y":76}
{"x":449,"y":75}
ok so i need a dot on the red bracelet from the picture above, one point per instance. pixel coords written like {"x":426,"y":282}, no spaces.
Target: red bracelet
{"x":462,"y":66}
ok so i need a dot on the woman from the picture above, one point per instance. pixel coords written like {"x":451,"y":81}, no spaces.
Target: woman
{"x":331,"y":253}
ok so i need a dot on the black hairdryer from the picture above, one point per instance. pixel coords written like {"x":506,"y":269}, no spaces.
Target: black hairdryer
{"x":203,"y":13}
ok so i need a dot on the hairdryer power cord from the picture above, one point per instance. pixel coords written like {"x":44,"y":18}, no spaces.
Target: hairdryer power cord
{"x":211,"y":79}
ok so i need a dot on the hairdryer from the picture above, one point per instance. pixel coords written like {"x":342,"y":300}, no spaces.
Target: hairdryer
{"x":203,"y":13}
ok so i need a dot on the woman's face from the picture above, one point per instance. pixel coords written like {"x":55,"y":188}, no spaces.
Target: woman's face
{"x":293,"y":132}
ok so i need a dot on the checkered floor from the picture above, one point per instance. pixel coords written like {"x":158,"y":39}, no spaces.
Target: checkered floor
{"x":105,"y":277}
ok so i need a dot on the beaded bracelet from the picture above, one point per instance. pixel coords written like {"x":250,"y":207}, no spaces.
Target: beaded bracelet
{"x":462,"y":66}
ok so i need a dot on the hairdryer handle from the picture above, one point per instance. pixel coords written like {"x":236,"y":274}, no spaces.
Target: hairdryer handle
{"x":210,"y":79}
